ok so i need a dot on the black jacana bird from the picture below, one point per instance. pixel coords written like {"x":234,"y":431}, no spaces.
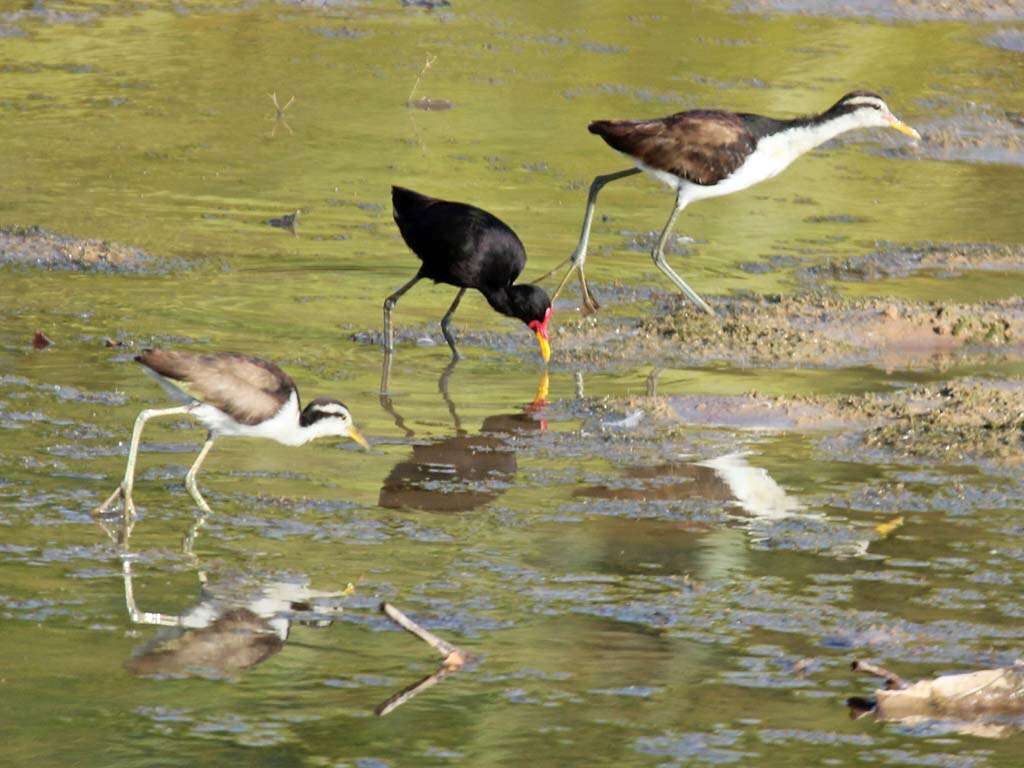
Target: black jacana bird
{"x":467,"y":247}
{"x":705,"y":153}
{"x":231,"y":395}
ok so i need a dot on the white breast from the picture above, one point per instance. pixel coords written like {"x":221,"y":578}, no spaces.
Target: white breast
{"x":772,"y":155}
{"x":282,"y":427}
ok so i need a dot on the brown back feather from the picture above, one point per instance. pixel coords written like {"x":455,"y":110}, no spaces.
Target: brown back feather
{"x":248,"y":389}
{"x":701,"y":146}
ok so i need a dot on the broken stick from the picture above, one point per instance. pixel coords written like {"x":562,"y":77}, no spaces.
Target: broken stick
{"x":892,"y":680}
{"x":453,"y":660}
{"x":453,"y":657}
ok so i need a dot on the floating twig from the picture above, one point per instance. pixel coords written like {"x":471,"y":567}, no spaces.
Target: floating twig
{"x":279,"y":116}
{"x":426,"y":66}
{"x":454,"y":659}
{"x":394,"y":702}
{"x":892,"y":680}
{"x":409,"y":102}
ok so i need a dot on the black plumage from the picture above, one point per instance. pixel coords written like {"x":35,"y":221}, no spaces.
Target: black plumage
{"x":467,"y":247}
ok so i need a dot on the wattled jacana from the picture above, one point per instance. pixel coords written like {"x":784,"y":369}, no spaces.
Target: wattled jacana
{"x":467,"y":247}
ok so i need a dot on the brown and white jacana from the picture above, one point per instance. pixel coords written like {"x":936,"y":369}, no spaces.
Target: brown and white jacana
{"x":231,"y":395}
{"x":706,"y":153}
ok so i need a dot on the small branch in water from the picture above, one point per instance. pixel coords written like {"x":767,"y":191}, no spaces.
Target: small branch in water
{"x":429,"y":63}
{"x":892,"y":680}
{"x":279,"y":116}
{"x":397,"y":700}
{"x":409,"y":102}
{"x":453,"y":657}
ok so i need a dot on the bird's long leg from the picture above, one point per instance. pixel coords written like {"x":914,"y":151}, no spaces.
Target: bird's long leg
{"x":446,"y":324}
{"x":124,"y":490}
{"x":385,"y":396}
{"x":579,"y":256}
{"x":442,"y":387}
{"x":658,"y":254}
{"x":134,"y":614}
{"x":190,"y":477}
{"x":389,"y":304}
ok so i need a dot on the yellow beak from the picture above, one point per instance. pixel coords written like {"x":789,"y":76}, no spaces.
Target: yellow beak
{"x":903,"y":128}
{"x":357,"y":436}
{"x":541,"y":399}
{"x":545,"y":348}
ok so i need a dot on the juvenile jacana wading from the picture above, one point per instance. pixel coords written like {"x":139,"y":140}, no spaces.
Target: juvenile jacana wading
{"x":231,"y":395}
{"x":706,"y":153}
{"x":467,"y":247}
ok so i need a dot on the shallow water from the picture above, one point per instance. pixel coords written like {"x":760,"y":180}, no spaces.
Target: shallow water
{"x":625,"y":595}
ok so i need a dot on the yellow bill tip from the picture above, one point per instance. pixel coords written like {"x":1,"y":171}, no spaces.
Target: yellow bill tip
{"x":545,"y":347}
{"x":905,"y":129}
{"x":356,"y":436}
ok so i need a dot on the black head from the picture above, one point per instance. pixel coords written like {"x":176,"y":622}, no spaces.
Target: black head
{"x":860,"y":96}
{"x":323,"y":408}
{"x":530,"y":303}
{"x":868,"y":110}
{"x":325,"y":417}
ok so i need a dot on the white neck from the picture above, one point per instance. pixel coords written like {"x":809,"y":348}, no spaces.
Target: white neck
{"x":805,"y":138}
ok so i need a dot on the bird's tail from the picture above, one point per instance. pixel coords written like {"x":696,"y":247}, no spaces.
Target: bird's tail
{"x":407,"y":203}
{"x":601,"y":127}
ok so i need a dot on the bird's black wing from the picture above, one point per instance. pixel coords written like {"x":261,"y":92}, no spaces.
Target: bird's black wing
{"x":701,"y":146}
{"x":458,"y":243}
{"x":248,"y":389}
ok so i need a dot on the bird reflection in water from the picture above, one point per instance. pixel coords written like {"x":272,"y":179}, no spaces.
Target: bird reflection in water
{"x":235,"y":624}
{"x":463,"y":472}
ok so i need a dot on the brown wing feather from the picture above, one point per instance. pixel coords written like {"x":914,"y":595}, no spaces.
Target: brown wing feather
{"x":248,"y":389}
{"x":701,"y":146}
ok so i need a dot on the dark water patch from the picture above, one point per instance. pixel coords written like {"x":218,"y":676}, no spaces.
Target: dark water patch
{"x":41,"y":12}
{"x":629,"y":692}
{"x":712,"y":748}
{"x":339,"y":33}
{"x":427,"y":104}
{"x":603,"y":48}
{"x":355,"y":531}
{"x":644,"y":242}
{"x":772,"y":263}
{"x":782,"y":736}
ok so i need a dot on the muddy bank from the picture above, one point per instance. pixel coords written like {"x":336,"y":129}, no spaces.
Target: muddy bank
{"x":896,"y":260}
{"x":892,"y":10}
{"x":955,"y":421}
{"x":801,"y":330}
{"x":807,"y":331}
{"x":40,"y":248}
